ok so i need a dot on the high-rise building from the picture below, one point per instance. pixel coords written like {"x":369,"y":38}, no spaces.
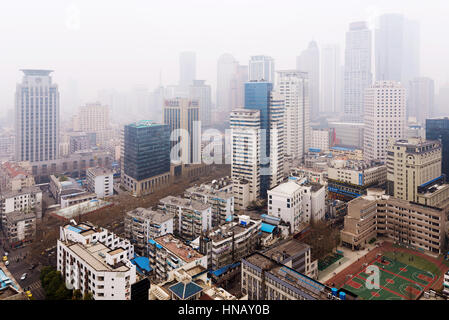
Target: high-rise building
{"x":309,"y":61}
{"x":226,"y":70}
{"x":438,"y":129}
{"x":187,"y":68}
{"x":411,"y":163}
{"x":182,"y":116}
{"x":37,"y":117}
{"x":145,"y":157}
{"x":277,"y":138}
{"x":421,"y":99}
{"x":294,"y":89}
{"x":93,"y":117}
{"x":330,"y":80}
{"x":397,"y":48}
{"x":246,"y":140}
{"x":261,"y":68}
{"x":200,"y":91}
{"x":384,"y":117}
{"x":357,"y":71}
{"x":442,"y":101}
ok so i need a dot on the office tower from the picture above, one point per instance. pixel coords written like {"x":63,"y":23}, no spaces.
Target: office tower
{"x":182,"y":116}
{"x":411,"y":163}
{"x":384,"y":117}
{"x":145,"y":157}
{"x":357,"y":72}
{"x":187,"y":68}
{"x":330,"y":80}
{"x":261,"y":68}
{"x":442,"y":101}
{"x":238,"y":86}
{"x":293,"y":86}
{"x":438,"y":129}
{"x":309,"y":61}
{"x":421,"y":99}
{"x":37,"y":117}
{"x":397,"y":44}
{"x":202,"y":92}
{"x":226,"y":70}
{"x":277,"y":138}
{"x":246,"y":141}
{"x":93,"y":117}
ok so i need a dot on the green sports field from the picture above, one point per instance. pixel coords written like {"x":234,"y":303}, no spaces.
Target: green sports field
{"x":398,"y":281}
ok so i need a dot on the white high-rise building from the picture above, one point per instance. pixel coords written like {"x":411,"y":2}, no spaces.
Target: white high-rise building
{"x":245,"y":156}
{"x":331,"y":79}
{"x":384,"y":117}
{"x":227,"y":68}
{"x":309,"y":61}
{"x":261,"y":68}
{"x":187,"y":68}
{"x":397,"y":45}
{"x":92,"y":117}
{"x":358,"y":74}
{"x":277,"y":138}
{"x":200,"y":91}
{"x":294,"y":88}
{"x":37,"y":117}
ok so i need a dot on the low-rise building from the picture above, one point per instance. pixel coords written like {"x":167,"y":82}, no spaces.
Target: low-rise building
{"x":230,"y":242}
{"x":28,"y":199}
{"x":311,"y":174}
{"x":264,"y":278}
{"x":346,"y":153}
{"x":92,"y":259}
{"x":409,"y":223}
{"x":297,"y":201}
{"x":168,"y":253}
{"x":191,"y":217}
{"x":20,"y":228}
{"x":142,"y":224}
{"x":221,"y":202}
{"x":100,"y":181}
{"x":349,"y":179}
{"x":15,"y":176}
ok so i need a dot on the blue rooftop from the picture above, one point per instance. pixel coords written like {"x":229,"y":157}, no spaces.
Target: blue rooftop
{"x":222,"y":270}
{"x":185,"y":291}
{"x":265,"y":227}
{"x":142,"y":263}
{"x":75,"y":229}
{"x":342,"y":148}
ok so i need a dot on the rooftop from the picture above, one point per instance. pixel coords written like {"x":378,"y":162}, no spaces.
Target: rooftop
{"x":155,"y":216}
{"x":145,"y":124}
{"x":16,"y":216}
{"x":178,"y":248}
{"x":36,"y":72}
{"x":185,"y":203}
{"x":286,"y":249}
{"x":99,"y":171}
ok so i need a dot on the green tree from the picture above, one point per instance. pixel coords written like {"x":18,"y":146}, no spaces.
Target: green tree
{"x":88,"y":296}
{"x":77,"y":295}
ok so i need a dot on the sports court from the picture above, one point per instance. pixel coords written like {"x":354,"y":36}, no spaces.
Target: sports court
{"x":398,"y":281}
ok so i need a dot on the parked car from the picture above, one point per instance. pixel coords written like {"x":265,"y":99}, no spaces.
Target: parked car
{"x":6,"y":263}
{"x":23,"y":276}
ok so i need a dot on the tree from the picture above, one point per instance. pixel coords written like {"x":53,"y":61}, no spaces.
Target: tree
{"x":77,"y":295}
{"x":88,"y":296}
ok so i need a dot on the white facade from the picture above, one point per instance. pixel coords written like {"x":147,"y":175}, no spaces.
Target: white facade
{"x":320,"y":140}
{"x":187,"y":68}
{"x":29,"y":198}
{"x":277,"y":138}
{"x":385,"y":118}
{"x":94,"y":260}
{"x":37,"y":133}
{"x":293,"y":87}
{"x":331,"y":79}
{"x":92,"y":117}
{"x":245,"y":156}
{"x":100,"y":181}
{"x":357,"y":72}
{"x":261,"y":68}
{"x":296,"y":202}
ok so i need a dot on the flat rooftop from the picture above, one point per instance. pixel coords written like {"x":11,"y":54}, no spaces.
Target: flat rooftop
{"x":184,"y":203}
{"x":290,"y":247}
{"x":155,"y":216}
{"x":178,"y":248}
{"x":100,"y":171}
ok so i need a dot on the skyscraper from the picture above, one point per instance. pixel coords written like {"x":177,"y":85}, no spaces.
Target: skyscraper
{"x":421,"y":99}
{"x":146,"y":157}
{"x":257,"y":97}
{"x":293,"y":86}
{"x":200,"y":91}
{"x":245,"y":153}
{"x":397,"y":45}
{"x":277,"y":138}
{"x":226,"y":70}
{"x":261,"y":68}
{"x":384,"y":118}
{"x":187,"y":68}
{"x":438,"y":129}
{"x":37,"y":117}
{"x":330,"y":80}
{"x":358,"y":74}
{"x":184,"y":114}
{"x":309,"y":61}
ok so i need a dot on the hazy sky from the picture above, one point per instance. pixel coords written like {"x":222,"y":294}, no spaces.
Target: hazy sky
{"x":118,"y":44}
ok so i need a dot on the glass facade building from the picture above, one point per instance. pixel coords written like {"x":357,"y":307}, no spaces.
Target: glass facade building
{"x":146,"y":149}
{"x":438,"y":129}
